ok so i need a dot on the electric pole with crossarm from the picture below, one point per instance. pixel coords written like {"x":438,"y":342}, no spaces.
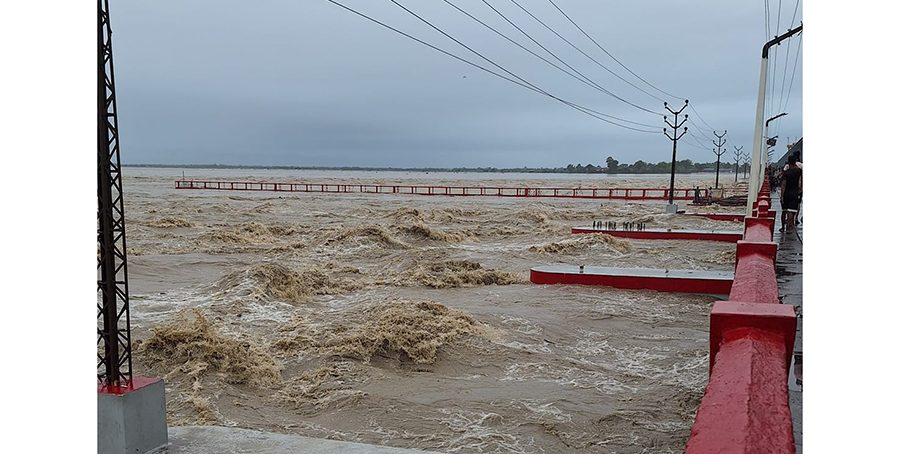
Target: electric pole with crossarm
{"x":719,"y":152}
{"x":737,"y":159}
{"x":672,"y":208}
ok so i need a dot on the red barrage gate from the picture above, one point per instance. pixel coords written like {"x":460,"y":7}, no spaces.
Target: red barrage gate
{"x":339,"y":188}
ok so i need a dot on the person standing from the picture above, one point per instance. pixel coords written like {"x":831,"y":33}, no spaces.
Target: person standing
{"x":791,"y":187}
{"x":799,"y":166}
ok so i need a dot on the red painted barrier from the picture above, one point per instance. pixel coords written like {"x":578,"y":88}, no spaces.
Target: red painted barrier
{"x":682,"y":281}
{"x":720,"y":216}
{"x":696,"y":235}
{"x":135,"y":384}
{"x":745,"y":406}
{"x":341,"y":188}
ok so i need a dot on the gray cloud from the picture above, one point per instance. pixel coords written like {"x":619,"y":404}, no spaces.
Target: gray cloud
{"x":304,"y":82}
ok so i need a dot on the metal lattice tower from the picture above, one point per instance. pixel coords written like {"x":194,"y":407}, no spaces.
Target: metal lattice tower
{"x":113,"y":318}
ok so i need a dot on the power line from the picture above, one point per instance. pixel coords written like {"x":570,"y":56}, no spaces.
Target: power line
{"x":770,"y":87}
{"x":781,"y":101}
{"x":701,"y":118}
{"x":784,"y":102}
{"x":794,"y":17}
{"x":478,"y":53}
{"x":584,"y":53}
{"x":586,"y":82}
{"x":787,"y":57}
{"x":787,"y":98}
{"x":572,"y":21}
{"x":609,"y":54}
{"x":775,"y":56}
{"x":768,"y":37}
{"x":778,"y":21}
{"x":796,"y":59}
{"x":700,"y":129}
{"x":535,"y":87}
{"x":694,"y":146}
{"x":604,"y":90}
{"x":589,"y":57}
{"x":701,"y":142}
{"x":582,"y":109}
{"x":463,"y":44}
{"x":516,"y":43}
{"x":697,"y":144}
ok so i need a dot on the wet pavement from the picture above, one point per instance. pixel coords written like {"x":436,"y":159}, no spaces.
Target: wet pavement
{"x":214,"y":440}
{"x":789,"y":272}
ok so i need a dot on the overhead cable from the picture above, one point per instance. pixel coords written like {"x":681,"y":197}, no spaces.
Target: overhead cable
{"x":796,"y":59}
{"x":609,"y":54}
{"x":591,"y":38}
{"x":422,"y":19}
{"x":527,"y":35}
{"x":515,"y":2}
{"x":587,"y":82}
{"x":586,"y":111}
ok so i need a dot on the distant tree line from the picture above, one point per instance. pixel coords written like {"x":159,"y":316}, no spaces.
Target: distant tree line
{"x":613,"y":166}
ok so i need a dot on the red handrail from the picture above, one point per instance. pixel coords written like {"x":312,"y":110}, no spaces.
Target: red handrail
{"x":466,"y":191}
{"x":751,"y":338}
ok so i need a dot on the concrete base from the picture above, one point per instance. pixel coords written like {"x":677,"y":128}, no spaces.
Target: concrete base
{"x":132,"y":420}
{"x":672,"y":208}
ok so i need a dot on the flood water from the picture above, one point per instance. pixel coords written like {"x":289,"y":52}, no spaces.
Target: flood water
{"x":409,"y":320}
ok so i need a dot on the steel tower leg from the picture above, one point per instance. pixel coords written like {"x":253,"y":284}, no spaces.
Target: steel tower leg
{"x":113,"y":317}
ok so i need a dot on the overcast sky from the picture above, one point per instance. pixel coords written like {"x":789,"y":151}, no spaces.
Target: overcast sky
{"x":304,"y":82}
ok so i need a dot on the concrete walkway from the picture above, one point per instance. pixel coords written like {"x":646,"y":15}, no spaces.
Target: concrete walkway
{"x":228,"y":440}
{"x":789,"y":271}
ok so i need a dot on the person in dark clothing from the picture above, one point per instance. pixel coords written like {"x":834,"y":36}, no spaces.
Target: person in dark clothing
{"x":791,"y":187}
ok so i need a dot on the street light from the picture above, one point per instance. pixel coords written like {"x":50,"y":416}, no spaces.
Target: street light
{"x":758,"y":150}
{"x":770,"y":141}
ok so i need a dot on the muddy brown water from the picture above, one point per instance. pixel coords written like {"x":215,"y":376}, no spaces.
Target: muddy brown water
{"x":409,"y":321}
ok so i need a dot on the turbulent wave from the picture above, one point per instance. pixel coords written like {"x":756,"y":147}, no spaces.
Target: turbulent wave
{"x":169,"y":223}
{"x":724,"y":258}
{"x":407,"y":214}
{"x":225,"y":237}
{"x":372,"y":234}
{"x":270,"y":351}
{"x":458,"y":273}
{"x":423,"y":231}
{"x":327,"y":387}
{"x":273,"y":280}
{"x":250,"y":233}
{"x":266,"y":230}
{"x":410,"y":331}
{"x":191,"y":345}
{"x":442,"y":215}
{"x":582,"y":242}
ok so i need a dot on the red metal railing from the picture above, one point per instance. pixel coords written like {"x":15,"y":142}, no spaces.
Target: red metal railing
{"x":577,"y":193}
{"x":751,"y":338}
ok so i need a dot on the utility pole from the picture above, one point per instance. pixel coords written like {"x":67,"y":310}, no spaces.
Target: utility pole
{"x":672,"y":208}
{"x":719,"y":152}
{"x":758,"y":166}
{"x":737,"y":159}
